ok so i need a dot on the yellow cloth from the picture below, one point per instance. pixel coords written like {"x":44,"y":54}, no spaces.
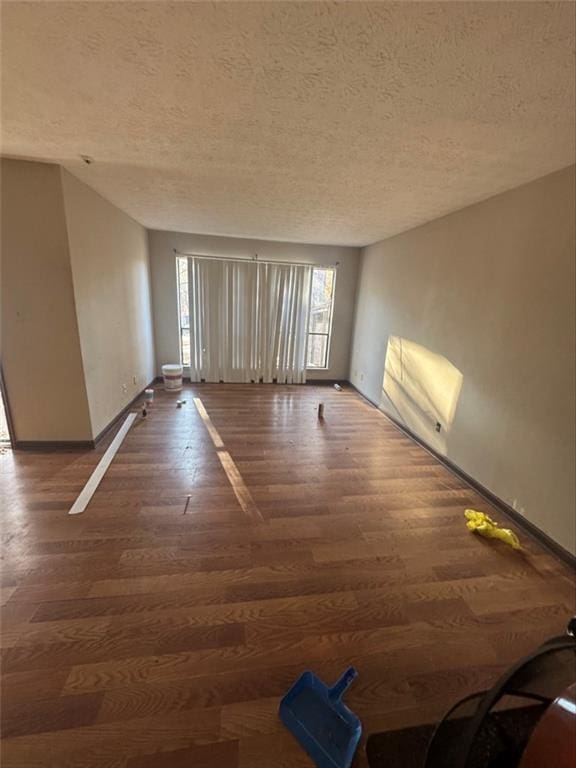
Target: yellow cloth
{"x":479,"y":522}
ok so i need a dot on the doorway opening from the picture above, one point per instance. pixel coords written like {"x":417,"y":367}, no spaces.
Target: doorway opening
{"x":5,"y":433}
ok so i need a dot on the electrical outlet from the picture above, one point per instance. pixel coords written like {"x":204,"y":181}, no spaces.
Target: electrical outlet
{"x":124,"y":388}
{"x":438,"y":426}
{"x":134,"y":380}
{"x":361,"y":377}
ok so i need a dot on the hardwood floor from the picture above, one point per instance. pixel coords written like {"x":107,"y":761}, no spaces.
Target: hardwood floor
{"x":144,"y":634}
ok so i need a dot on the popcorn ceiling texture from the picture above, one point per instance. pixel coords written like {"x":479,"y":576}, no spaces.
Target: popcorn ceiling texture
{"x":314,"y":122}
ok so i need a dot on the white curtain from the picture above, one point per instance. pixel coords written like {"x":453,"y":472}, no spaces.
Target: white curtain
{"x":248,"y":321}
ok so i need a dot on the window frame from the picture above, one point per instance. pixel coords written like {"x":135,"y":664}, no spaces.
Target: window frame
{"x":181,"y":327}
{"x":327,"y":334}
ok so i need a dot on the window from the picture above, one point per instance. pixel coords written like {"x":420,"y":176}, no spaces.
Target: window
{"x":319,"y":321}
{"x":319,"y":327}
{"x":183,"y":309}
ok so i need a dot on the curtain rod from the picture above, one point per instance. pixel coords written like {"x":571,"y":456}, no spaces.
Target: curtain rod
{"x":254,"y":260}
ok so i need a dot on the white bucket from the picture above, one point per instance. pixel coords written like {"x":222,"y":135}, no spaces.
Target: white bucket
{"x":172,"y":377}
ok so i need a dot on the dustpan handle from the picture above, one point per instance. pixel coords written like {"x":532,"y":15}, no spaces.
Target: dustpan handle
{"x":343,"y":682}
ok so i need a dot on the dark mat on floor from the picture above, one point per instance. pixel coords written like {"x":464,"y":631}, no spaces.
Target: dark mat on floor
{"x":407,"y":748}
{"x":399,"y":749}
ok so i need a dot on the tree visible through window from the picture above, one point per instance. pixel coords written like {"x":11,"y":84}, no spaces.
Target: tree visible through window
{"x":319,"y":327}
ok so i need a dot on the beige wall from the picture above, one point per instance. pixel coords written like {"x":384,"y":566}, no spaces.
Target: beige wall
{"x":41,"y":356}
{"x":491,"y":288}
{"x":163,"y":273}
{"x":109,"y":257}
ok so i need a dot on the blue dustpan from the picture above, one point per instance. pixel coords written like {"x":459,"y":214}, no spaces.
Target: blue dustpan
{"x":316,"y":715}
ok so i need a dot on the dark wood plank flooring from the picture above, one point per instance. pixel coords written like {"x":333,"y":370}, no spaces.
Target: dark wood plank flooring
{"x":142,"y":634}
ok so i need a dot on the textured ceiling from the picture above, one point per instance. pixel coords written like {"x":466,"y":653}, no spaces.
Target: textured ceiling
{"x":315,"y":122}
